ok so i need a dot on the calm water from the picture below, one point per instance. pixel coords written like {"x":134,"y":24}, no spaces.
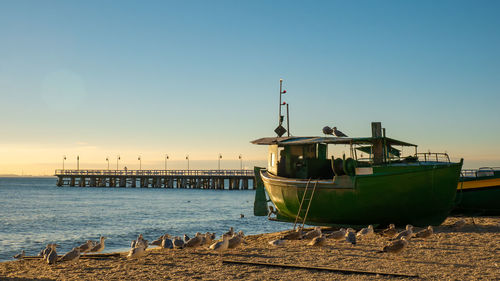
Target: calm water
{"x":35,"y":212}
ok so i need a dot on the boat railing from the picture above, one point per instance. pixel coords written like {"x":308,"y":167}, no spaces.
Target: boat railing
{"x":433,"y":157}
{"x":481,"y":172}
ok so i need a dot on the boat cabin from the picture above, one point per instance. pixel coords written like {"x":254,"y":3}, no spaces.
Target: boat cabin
{"x":307,"y":157}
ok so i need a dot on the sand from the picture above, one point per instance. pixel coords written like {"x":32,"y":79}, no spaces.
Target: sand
{"x":469,"y":253}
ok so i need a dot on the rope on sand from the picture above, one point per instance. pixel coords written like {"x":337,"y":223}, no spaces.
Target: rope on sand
{"x":343,"y":271}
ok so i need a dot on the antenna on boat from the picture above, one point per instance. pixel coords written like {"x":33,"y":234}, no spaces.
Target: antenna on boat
{"x":280,"y":130}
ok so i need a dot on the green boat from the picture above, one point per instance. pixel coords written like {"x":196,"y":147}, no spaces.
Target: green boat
{"x":478,"y":192}
{"x":385,"y":187}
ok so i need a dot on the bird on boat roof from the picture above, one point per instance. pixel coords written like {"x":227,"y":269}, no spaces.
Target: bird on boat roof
{"x":338,"y":133}
{"x":327,"y":130}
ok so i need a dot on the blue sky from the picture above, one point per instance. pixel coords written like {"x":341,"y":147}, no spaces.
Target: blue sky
{"x":129,"y":78}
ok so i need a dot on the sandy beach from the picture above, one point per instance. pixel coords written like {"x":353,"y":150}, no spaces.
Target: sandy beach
{"x":471,"y":252}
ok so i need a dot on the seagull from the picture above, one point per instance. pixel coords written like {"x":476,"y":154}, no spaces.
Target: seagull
{"x":390,"y":232}
{"x":337,"y":235}
{"x":294,"y":235}
{"x":158,"y":241}
{"x":100,"y":246}
{"x":425,"y":233}
{"x":51,"y":257}
{"x":313,"y":233}
{"x":85,"y":247}
{"x":20,"y":255}
{"x":166,"y":243}
{"x":242,"y":216}
{"x":186,"y":238}
{"x":221,"y":246}
{"x":396,"y":246}
{"x":195,"y":241}
{"x":318,"y":241}
{"x":350,"y":237}
{"x":277,"y":242}
{"x":365,"y":231}
{"x":178,"y":242}
{"x":209,"y":237}
{"x":72,"y":255}
{"x":271,"y":211}
{"x":338,"y":133}
{"x":230,"y":232}
{"x":405,"y":233}
{"x":45,"y":252}
{"x":236,"y":240}
{"x":458,"y":224}
{"x":136,"y":252}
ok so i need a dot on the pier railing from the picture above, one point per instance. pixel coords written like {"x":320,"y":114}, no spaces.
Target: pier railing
{"x":131,"y":173}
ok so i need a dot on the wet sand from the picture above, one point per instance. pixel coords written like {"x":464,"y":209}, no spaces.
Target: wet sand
{"x":468,"y":253}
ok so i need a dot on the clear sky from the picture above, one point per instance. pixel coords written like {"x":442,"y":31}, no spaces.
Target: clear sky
{"x":149,"y":78}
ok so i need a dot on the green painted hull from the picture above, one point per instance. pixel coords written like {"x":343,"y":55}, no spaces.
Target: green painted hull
{"x":419,"y":194}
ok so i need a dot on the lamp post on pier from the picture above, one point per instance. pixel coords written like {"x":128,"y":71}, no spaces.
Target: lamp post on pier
{"x":220,"y":157}
{"x":187,"y":158}
{"x":166,"y":158}
{"x":117,"y":159}
{"x":107,"y":160}
{"x":241,"y":161}
{"x":78,"y":162}
{"x":140,"y":162}
{"x":64,"y":158}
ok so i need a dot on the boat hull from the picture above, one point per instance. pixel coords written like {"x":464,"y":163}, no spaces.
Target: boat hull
{"x":479,"y":197}
{"x":420,"y":195}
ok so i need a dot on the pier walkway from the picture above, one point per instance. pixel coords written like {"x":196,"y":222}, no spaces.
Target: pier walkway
{"x":195,"y":179}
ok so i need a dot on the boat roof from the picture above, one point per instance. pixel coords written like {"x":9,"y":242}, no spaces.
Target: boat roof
{"x":281,"y":141}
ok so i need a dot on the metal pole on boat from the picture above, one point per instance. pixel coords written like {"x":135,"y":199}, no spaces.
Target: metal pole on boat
{"x":279,"y":117}
{"x":287,"y":120}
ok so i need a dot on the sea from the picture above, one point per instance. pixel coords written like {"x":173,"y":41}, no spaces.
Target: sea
{"x":35,"y":212}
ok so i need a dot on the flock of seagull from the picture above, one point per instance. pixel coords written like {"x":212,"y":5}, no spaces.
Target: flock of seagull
{"x":229,"y":240}
{"x":398,"y":241}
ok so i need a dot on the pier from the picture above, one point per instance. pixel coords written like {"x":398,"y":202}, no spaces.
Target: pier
{"x":192,"y":179}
